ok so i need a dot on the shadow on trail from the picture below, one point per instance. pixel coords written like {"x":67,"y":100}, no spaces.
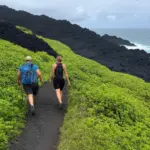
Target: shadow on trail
{"x":42,"y":131}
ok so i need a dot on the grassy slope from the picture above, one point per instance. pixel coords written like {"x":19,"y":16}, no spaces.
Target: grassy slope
{"x":107,"y":110}
{"x":12,"y":103}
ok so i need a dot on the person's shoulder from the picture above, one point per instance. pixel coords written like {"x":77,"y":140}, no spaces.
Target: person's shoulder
{"x":64,"y":65}
{"x":20,"y":67}
{"x":54,"y":65}
{"x":35,"y":66}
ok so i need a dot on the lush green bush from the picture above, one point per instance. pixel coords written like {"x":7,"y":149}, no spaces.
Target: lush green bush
{"x":24,"y":30}
{"x":107,"y":110}
{"x":12,"y":102}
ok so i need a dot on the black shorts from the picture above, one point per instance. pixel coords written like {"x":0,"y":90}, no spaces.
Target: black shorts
{"x":59,"y":83}
{"x":31,"y":89}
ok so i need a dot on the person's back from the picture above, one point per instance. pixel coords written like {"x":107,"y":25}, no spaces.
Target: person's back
{"x":28,"y":75}
{"x":28,"y":70}
{"x":58,"y":70}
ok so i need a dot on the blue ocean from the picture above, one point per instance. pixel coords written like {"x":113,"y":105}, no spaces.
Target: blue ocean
{"x":140,"y":37}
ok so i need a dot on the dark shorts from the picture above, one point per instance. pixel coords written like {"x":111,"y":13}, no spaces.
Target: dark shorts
{"x":59,"y":83}
{"x":31,"y":89}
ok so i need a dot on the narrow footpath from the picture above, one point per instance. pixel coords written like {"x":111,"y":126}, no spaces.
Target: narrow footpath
{"x":43,"y":130}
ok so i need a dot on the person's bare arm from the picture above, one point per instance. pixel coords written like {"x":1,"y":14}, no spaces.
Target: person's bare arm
{"x":66,"y":73}
{"x":52,"y":72}
{"x":19,"y":77}
{"x":39,"y":75}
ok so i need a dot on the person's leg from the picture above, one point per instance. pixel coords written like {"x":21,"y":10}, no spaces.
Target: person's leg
{"x":35,"y":89}
{"x":58,"y":94}
{"x":61,"y":94}
{"x":31,"y":99}
{"x":29,"y":92}
{"x":59,"y":97}
{"x":62,"y":83}
{"x":58,"y":91}
{"x":31,"y":102}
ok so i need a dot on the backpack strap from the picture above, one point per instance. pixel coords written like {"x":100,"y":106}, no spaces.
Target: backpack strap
{"x":57,"y":69}
{"x":32,"y":66}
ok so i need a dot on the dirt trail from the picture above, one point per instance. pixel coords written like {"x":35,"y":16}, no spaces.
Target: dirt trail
{"x":42,"y":131}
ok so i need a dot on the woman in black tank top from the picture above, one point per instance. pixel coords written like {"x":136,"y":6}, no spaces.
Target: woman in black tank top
{"x":58,"y":70}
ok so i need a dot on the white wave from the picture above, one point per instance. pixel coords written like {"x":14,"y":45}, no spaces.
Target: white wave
{"x":139,"y":46}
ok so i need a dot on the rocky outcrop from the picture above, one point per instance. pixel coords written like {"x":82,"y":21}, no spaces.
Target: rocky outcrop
{"x":117,"y":40}
{"x":84,"y":42}
{"x":11,"y":33}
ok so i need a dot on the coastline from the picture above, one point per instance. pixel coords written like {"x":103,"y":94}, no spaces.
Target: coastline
{"x":146,"y":48}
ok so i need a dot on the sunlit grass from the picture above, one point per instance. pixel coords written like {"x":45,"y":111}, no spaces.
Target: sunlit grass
{"x":107,"y":110}
{"x":12,"y":103}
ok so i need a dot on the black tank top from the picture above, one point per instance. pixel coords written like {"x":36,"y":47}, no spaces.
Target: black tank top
{"x":59,"y":71}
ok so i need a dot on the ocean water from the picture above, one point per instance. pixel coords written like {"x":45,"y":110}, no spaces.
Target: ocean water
{"x":140,"y":37}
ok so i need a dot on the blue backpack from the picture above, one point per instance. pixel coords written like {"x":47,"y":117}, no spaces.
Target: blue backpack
{"x":27,"y":73}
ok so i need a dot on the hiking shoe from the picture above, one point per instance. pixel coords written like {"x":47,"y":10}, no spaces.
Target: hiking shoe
{"x":32,"y":110}
{"x":60,"y":105}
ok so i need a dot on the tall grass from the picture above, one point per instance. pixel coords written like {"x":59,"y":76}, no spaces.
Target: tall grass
{"x":107,"y":110}
{"x":12,"y":102}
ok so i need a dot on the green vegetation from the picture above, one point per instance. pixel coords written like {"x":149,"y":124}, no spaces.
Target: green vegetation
{"x":25,"y":30}
{"x":107,"y":110}
{"x":12,"y":100}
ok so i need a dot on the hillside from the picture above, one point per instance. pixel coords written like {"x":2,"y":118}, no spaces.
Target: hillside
{"x":117,"y":40}
{"x":11,"y":33}
{"x":83,"y":42}
{"x":12,"y":100}
{"x":107,"y":110}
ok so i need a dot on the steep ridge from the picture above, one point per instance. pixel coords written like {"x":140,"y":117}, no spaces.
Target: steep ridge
{"x":117,"y":117}
{"x":83,"y":42}
{"x":14,"y":35}
{"x":117,"y":40}
{"x":107,"y":110}
{"x":12,"y":97}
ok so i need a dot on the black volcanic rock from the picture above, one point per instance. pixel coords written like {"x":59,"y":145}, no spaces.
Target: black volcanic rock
{"x":117,"y":40}
{"x":31,"y":42}
{"x":83,"y":42}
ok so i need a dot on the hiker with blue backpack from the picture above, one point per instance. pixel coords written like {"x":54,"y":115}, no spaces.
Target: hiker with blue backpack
{"x":28,"y":75}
